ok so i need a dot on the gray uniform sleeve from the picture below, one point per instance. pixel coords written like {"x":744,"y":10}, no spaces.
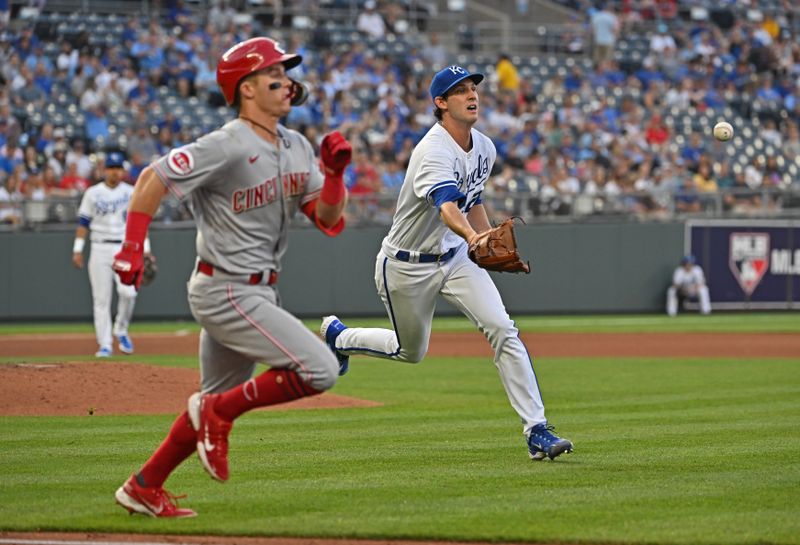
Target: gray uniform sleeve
{"x":194,"y":165}
{"x":316,"y":177}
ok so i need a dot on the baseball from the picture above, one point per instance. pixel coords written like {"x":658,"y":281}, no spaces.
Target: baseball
{"x":723,"y":131}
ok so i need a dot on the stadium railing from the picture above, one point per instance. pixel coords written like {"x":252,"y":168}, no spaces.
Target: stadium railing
{"x":378,"y":208}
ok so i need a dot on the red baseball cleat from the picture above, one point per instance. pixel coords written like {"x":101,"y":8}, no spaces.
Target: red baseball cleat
{"x":212,"y":435}
{"x":150,"y":501}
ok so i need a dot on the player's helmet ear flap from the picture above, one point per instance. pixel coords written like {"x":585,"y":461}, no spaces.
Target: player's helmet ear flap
{"x":247,"y":57}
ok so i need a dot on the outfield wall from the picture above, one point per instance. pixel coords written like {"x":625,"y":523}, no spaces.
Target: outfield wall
{"x":577,"y":268}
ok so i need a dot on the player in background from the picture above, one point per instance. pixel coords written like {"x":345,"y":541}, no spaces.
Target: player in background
{"x":688,"y":280}
{"x":439,"y":211}
{"x":245,"y":181}
{"x":102,"y":211}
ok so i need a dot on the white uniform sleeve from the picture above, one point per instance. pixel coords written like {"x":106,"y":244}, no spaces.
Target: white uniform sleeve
{"x":699,"y":277}
{"x":435,"y":171}
{"x":186,"y":168}
{"x":676,"y":277}
{"x":86,"y":209}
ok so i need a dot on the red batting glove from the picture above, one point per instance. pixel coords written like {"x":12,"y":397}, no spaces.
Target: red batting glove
{"x":335,"y":152}
{"x":129,"y":263}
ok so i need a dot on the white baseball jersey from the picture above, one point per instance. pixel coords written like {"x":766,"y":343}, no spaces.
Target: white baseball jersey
{"x":243,"y":191}
{"x":438,"y":162}
{"x":105,"y":210}
{"x":409,"y":287}
{"x":684,"y":279}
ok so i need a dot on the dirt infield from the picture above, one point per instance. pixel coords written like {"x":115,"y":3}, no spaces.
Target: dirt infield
{"x":90,"y":388}
{"x":77,"y":387}
{"x":675,"y":345}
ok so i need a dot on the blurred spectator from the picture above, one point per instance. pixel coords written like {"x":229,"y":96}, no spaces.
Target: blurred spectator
{"x":771,"y":134}
{"x":138,"y":164}
{"x":97,"y":124}
{"x":34,"y":187}
{"x":58,"y":159}
{"x":142,"y":144}
{"x":686,"y":198}
{"x":32,"y":159}
{"x":773,"y":174}
{"x":148,"y":53}
{"x":754,"y":173}
{"x":792,"y":145}
{"x":76,"y":155}
{"x":143,"y":93}
{"x":605,"y":30}
{"x":90,"y":98}
{"x":661,"y":41}
{"x":656,"y":133}
{"x":693,"y":150}
{"x":10,"y":156}
{"x":434,"y":53}
{"x":704,"y":179}
{"x":72,"y":183}
{"x":44,"y":143}
{"x":5,"y":14}
{"x":10,"y":200}
{"x":67,"y":60}
{"x":393,"y":176}
{"x":370,"y":22}
{"x":507,"y":75}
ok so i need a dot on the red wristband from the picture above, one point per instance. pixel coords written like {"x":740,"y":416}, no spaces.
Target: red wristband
{"x":333,"y":189}
{"x":136,"y":227}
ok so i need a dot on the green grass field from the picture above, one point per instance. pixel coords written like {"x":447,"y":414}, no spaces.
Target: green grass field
{"x":666,"y":452}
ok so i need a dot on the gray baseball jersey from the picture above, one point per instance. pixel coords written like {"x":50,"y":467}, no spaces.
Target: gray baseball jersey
{"x":243,"y":191}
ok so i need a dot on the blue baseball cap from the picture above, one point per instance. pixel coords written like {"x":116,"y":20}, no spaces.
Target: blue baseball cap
{"x":687,"y":259}
{"x":115,"y":160}
{"x":446,"y":79}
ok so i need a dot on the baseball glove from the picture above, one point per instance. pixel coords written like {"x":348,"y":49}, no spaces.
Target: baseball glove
{"x":149,"y":270}
{"x":496,"y":250}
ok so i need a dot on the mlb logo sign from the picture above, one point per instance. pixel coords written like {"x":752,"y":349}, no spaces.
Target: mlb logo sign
{"x":749,"y":259}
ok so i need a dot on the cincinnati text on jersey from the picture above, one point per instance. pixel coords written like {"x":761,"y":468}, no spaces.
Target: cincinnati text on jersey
{"x":294,"y":184}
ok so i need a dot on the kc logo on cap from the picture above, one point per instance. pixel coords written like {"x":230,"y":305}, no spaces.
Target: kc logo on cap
{"x":449,"y":77}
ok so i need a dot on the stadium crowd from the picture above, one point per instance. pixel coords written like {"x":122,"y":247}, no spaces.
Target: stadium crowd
{"x":599,"y":133}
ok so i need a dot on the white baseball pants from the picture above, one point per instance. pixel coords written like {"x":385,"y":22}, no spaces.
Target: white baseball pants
{"x":409,"y":291}
{"x":701,"y":292}
{"x":102,"y":277}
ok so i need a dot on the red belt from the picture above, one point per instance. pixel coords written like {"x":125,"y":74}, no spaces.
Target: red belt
{"x":255,"y":278}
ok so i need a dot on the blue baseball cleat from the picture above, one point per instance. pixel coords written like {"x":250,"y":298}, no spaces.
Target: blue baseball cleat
{"x":125,"y":344}
{"x":543,"y":443}
{"x":104,"y":352}
{"x":329,"y":330}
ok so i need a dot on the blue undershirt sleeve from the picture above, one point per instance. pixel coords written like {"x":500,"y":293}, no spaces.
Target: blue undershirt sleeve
{"x":447,"y":193}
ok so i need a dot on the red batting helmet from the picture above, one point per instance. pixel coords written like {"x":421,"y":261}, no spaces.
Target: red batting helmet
{"x":247,"y":57}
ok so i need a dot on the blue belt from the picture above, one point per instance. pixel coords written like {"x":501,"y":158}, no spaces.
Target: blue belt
{"x":403,"y":255}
